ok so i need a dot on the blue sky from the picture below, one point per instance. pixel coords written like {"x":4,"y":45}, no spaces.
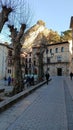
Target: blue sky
{"x":55,"y":13}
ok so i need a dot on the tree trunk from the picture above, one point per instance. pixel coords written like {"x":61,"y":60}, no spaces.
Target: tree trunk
{"x":4,"y":16}
{"x":40,"y":68}
{"x":16,"y":38}
{"x":18,"y":82}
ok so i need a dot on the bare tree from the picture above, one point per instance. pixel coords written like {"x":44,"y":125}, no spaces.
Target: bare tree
{"x":17,"y":13}
{"x":16,"y":39}
{"x":41,"y":39}
{"x":21,"y":18}
{"x":5,"y":11}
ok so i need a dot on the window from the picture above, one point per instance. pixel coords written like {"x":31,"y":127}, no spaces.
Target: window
{"x":26,"y":60}
{"x":30,"y":54}
{"x":46,"y":51}
{"x":26,"y":71}
{"x":62,"y":49}
{"x":29,"y":60}
{"x":9,"y":71}
{"x":29,"y":65}
{"x":56,"y":50}
{"x":50,"y":50}
{"x":35,"y":71}
{"x":34,"y":62}
{"x":26,"y":66}
{"x":48,"y":60}
{"x":59,"y":58}
{"x":9,"y":61}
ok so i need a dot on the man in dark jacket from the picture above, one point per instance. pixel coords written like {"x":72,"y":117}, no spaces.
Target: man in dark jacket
{"x":47,"y":77}
{"x":71,"y":74}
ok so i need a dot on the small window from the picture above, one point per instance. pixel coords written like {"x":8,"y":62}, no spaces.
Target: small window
{"x":46,"y":51}
{"x":56,"y":50}
{"x":26,"y":66}
{"x":62,"y":49}
{"x":9,"y":71}
{"x":34,"y":62}
{"x":29,"y":65}
{"x":48,"y":60}
{"x":59,"y":58}
{"x":30,"y":54}
{"x":29,"y":60}
{"x":50,"y":50}
{"x":26,"y":60}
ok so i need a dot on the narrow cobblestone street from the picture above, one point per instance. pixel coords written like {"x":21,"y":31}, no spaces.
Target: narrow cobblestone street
{"x":45,"y":109}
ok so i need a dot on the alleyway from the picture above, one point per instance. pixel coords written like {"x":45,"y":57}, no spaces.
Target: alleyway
{"x":48,"y":108}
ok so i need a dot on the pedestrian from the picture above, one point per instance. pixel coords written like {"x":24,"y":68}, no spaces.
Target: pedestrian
{"x":32,"y":80}
{"x":28,"y":81}
{"x":9,"y":80}
{"x":47,"y":77}
{"x":71,"y":74}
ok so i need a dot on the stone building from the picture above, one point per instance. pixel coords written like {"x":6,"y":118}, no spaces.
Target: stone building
{"x":29,"y":63}
{"x":57,"y":58}
{"x":54,"y":57}
{"x":9,"y":63}
{"x":5,"y":60}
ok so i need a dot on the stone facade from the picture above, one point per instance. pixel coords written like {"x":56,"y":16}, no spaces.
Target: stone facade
{"x":58,"y":58}
{"x":9,"y":63}
{"x":6,"y":66}
{"x":3,"y":58}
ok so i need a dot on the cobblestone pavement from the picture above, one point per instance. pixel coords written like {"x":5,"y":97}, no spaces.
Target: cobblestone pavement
{"x":45,"y":109}
{"x":69,"y":107}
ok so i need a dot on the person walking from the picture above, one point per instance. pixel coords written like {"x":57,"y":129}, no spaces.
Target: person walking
{"x":9,"y":80}
{"x":71,"y":74}
{"x":47,"y":77}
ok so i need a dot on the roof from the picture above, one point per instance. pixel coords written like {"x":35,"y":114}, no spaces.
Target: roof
{"x":59,"y":43}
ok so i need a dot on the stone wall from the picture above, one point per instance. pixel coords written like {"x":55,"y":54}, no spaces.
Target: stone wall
{"x":59,"y":59}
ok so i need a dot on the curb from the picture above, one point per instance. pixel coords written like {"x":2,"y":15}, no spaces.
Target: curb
{"x":9,"y":102}
{"x":70,"y":87}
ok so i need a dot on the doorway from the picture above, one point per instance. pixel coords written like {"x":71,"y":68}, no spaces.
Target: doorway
{"x":59,"y":71}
